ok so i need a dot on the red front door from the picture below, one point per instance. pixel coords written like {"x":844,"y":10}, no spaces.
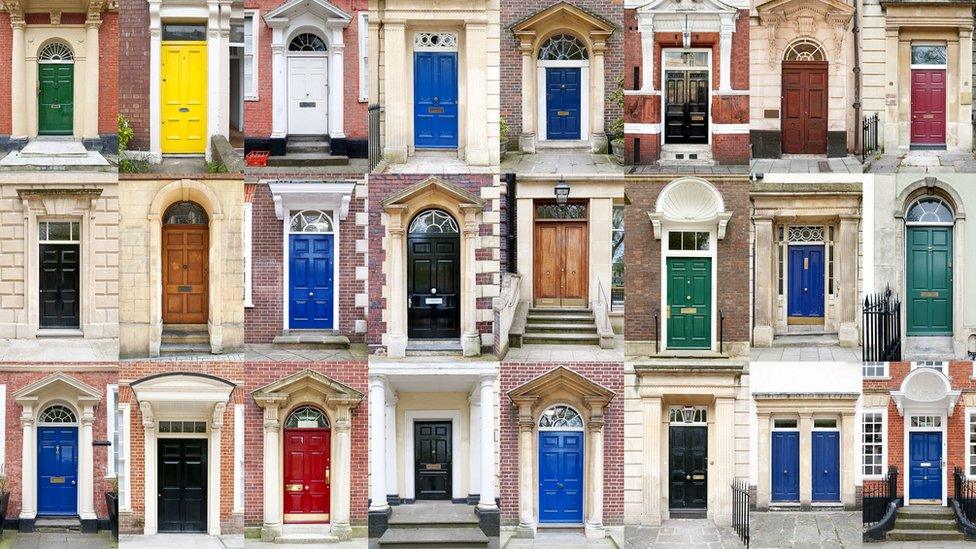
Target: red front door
{"x":805,"y":107}
{"x":928,"y":106}
{"x":307,"y":475}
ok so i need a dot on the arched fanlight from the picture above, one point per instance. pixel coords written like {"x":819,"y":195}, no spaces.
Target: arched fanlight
{"x":307,"y":417}
{"x":310,"y":221}
{"x":307,"y":42}
{"x":560,"y":417}
{"x":185,"y":213}
{"x":57,"y":413}
{"x":804,"y":50}
{"x":930,"y":209}
{"x":56,"y":52}
{"x":563,"y":47}
{"x":433,"y":222}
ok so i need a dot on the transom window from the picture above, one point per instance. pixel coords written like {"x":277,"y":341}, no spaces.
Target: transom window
{"x":874,"y":369}
{"x":934,"y":364}
{"x":928,"y":55}
{"x":307,"y":42}
{"x":563,"y":47}
{"x":185,"y":31}
{"x":185,"y":213}
{"x":56,"y":52}
{"x":307,"y":417}
{"x":59,"y":231}
{"x":689,"y":240}
{"x":182,"y":427}
{"x":310,"y":221}
{"x":688,"y":415}
{"x":435,"y":41}
{"x":681,"y":59}
{"x":927,"y":421}
{"x":784,"y":424}
{"x":824,"y":423}
{"x":929,"y":210}
{"x":433,"y":222}
{"x":804,"y":50}
{"x":806,"y":233}
{"x":57,"y":414}
{"x":872,"y":443}
{"x":549,"y":210}
{"x":560,"y":417}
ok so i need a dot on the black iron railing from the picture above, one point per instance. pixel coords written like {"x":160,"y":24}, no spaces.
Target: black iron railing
{"x":869,"y":134}
{"x":881,"y":327}
{"x":740,"y":509}
{"x":965,"y":491}
{"x":657,"y":332}
{"x":721,"y":331}
{"x":375,"y":146}
{"x":876,"y":497}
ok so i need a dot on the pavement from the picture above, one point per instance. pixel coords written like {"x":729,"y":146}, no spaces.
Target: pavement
{"x":805,"y":529}
{"x":919,"y":545}
{"x":181,"y":541}
{"x":805,"y":354}
{"x":270,"y":353}
{"x":561,"y":163}
{"x":434,"y":162}
{"x":933,"y":162}
{"x":559,"y":539}
{"x":360,"y":543}
{"x":807,"y":164}
{"x":56,"y":349}
{"x":567,"y":353}
{"x":654,"y":169}
{"x":49,"y":540}
{"x":356,"y":167}
{"x":682,"y":534}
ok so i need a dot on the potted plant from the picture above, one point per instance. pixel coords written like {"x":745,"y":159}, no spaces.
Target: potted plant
{"x":112,"y":503}
{"x":503,"y":136}
{"x":616,"y":130}
{"x":4,"y":497}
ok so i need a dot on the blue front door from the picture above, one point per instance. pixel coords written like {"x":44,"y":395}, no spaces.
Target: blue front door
{"x":806,"y":290}
{"x":786,"y":466}
{"x":310,"y":282}
{"x":925,"y":465}
{"x":57,"y":470}
{"x":826,"y":466}
{"x":563,"y":103}
{"x":435,"y":100}
{"x":561,"y":476}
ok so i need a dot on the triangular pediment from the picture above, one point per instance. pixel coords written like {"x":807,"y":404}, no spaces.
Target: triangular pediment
{"x":59,"y":382}
{"x":306,"y":380}
{"x":323,"y":10}
{"x":687,"y":6}
{"x":561,"y":379}
{"x":778,"y":8}
{"x":430,"y":185}
{"x":564,"y":15}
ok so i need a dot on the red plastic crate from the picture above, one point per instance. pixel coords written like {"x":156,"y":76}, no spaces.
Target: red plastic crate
{"x":257,"y":158}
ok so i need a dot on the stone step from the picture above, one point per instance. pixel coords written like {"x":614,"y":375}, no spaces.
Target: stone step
{"x":307,"y":538}
{"x":806,"y":340}
{"x":57,"y":524}
{"x":307,"y":160}
{"x":925,"y":511}
{"x":185,"y":337}
{"x":911,"y":522}
{"x":318,"y":147}
{"x":919,"y":348}
{"x":559,"y":310}
{"x":311,"y":339}
{"x":183,"y":349}
{"x":421,"y":538}
{"x":924,"y":535}
{"x":307,"y":138}
{"x":550,"y":327}
{"x":185,"y":328}
{"x":561,"y":339}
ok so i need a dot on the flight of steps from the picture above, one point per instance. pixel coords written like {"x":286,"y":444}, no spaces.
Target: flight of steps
{"x":311,"y":339}
{"x":921,"y":348}
{"x":560,"y":327}
{"x":925,"y":523}
{"x":184,"y":339}
{"x":307,"y":151}
{"x":453,"y":528}
{"x":57,"y":525}
{"x":293,"y":534}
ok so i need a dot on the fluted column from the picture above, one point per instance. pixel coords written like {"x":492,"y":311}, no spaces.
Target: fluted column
{"x":594,"y":430}
{"x":470,"y":338}
{"x":646,"y":22}
{"x":18,"y":81}
{"x":762,"y":333}
{"x":272,"y":478}
{"x":341,"y":481}
{"x":92,"y":105}
{"x":847,"y":285}
{"x":487,"y":500}
{"x":530,"y":87}
{"x":723,"y":470}
{"x":28,"y":465}
{"x":396,"y":113}
{"x":806,"y":458}
{"x":377,"y":458}
{"x":526,"y":431}
{"x":476,"y":111}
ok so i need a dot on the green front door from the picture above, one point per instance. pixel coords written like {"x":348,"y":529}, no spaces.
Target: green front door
{"x":689,"y":303}
{"x":55,"y":98}
{"x":929,"y":258}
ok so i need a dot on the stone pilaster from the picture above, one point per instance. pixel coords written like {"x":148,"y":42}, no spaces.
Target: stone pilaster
{"x":763,"y":464}
{"x":377,"y":420}
{"x":598,"y":136}
{"x":475,"y":118}
{"x":271,"y":528}
{"x":594,"y":430}
{"x":722,"y":471}
{"x":806,"y":461}
{"x":470,"y":338}
{"x":394,"y":78}
{"x":762,"y":332}
{"x":849,"y":296}
{"x":652,"y":460}
{"x":341,"y":472}
{"x":526,"y":433}
{"x":527,"y":139}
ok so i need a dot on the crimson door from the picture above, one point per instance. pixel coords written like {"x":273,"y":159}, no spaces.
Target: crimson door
{"x":307,"y":475}
{"x":805,"y":107}
{"x":928,"y":106}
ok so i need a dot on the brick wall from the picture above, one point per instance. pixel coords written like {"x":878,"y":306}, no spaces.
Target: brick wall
{"x":108,"y":74}
{"x":134,"y":80}
{"x":259,"y":374}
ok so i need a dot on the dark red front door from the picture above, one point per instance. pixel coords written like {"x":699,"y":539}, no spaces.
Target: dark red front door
{"x":805,"y":108}
{"x":928,"y":106}
{"x":307,"y":475}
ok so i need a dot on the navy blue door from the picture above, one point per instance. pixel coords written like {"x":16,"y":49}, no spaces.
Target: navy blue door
{"x":310,"y":281}
{"x":785,"y":466}
{"x":925,"y":465}
{"x":563,"y":103}
{"x":806,"y":290}
{"x":561,"y":476}
{"x":57,"y":470}
{"x":826,"y":466}
{"x":435,"y":99}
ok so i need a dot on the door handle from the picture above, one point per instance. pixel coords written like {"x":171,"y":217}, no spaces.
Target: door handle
{"x":306,"y":486}
{"x":687,"y":477}
{"x":72,"y":482}
{"x":328,"y":475}
{"x":559,"y":485}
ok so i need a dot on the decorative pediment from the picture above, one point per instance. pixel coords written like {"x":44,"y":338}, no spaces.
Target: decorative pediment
{"x":59,"y":383}
{"x":328,"y":390}
{"x":289,"y":195}
{"x":59,"y":201}
{"x":182,"y":387}
{"x":433,"y":185}
{"x":686,"y":6}
{"x":925,"y":390}
{"x":319,"y":8}
{"x":563,"y":15}
{"x":561,"y":379}
{"x":780,"y":9}
{"x":690,"y":200}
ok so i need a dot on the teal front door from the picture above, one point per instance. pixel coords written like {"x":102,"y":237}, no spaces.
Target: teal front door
{"x":929,"y":279}
{"x":689,"y":303}
{"x":55,"y":98}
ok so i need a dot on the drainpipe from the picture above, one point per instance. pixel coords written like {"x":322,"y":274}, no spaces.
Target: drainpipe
{"x":858,"y":131}
{"x":510,"y":215}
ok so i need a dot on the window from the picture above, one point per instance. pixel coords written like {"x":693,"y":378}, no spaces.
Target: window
{"x":112,"y":416}
{"x":56,"y":52}
{"x":251,"y":31}
{"x":310,"y":221}
{"x":307,"y":42}
{"x":59,"y":231}
{"x":57,"y":414}
{"x":928,"y":55}
{"x":929,"y":211}
{"x":934,"y":364}
{"x":435,"y":41}
{"x":687,"y":414}
{"x":307,"y":417}
{"x":617,"y":260}
{"x":184,"y":427}
{"x":560,"y":417}
{"x":688,"y":240}
{"x":874,"y":369}
{"x":563,"y":47}
{"x":122,"y":469}
{"x":363,"y":56}
{"x":550,"y":210}
{"x":970,"y":442}
{"x":432,"y":222}
{"x":184,"y":31}
{"x":804,"y":50}
{"x":872,"y":443}
{"x":931,"y":422}
{"x":185,"y":213}
{"x":784,"y":424}
{"x":824,"y":423}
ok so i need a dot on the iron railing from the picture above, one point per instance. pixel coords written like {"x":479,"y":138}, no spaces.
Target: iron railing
{"x":657,"y":331}
{"x":965,"y":491}
{"x":721,"y":331}
{"x":881,"y":327}
{"x":375,"y":146}
{"x":876,"y":497}
{"x":740,"y":509}
{"x":869,"y":134}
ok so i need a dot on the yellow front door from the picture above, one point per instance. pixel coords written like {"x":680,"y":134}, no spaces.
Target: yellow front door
{"x":184,"y":93}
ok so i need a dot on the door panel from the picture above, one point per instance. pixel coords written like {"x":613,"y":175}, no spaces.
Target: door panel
{"x":561,"y":277}
{"x":563,"y":103}
{"x":310,"y":274}
{"x":308,"y":95}
{"x":432,"y":458}
{"x":688,"y":461}
{"x":689,"y":303}
{"x":184,"y":97}
{"x":804,"y":106}
{"x":59,"y":286}
{"x":806,"y":282}
{"x":686,"y":107}
{"x":925,"y":465}
{"x":929,"y":280}
{"x":435,"y":100}
{"x":928,"y":106}
{"x":785,"y":466}
{"x":561,"y":476}
{"x":55,"y":99}
{"x":307,"y":475}
{"x":826,"y":466}
{"x":182,"y":484}
{"x":57,"y":470}
{"x":433,"y":286}
{"x":185,"y":274}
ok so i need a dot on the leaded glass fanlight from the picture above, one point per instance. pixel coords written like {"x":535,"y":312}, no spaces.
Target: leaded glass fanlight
{"x":804,"y":50}
{"x":433,"y":222}
{"x":185,"y":213}
{"x":560,"y":417}
{"x":310,"y":221}
{"x":307,"y":42}
{"x":56,"y":52}
{"x":57,"y":414}
{"x":563,"y":47}
{"x":929,"y":210}
{"x":308,"y":418}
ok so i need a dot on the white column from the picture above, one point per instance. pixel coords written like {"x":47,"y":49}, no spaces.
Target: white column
{"x":594,"y":521}
{"x":652,"y":461}
{"x":214,"y":53}
{"x":488,"y":404}
{"x":396,"y":337}
{"x":28,"y":465}
{"x":86,"y":466}
{"x":762,"y":333}
{"x":395,"y":112}
{"x":341,"y":474}
{"x":763,"y":465}
{"x":476,"y":117}
{"x":530,"y":90}
{"x":149,"y":467}
{"x":806,"y":455}
{"x":725,"y":53}
{"x":392,"y":482}
{"x":92,"y":105}
{"x":598,"y":136}
{"x":279,"y":81}
{"x":377,"y":457}
{"x":527,"y":491}
{"x":155,"y":91}
{"x":474,"y":433}
{"x":214,"y":451}
{"x":18,"y":82}
{"x":646,"y":23}
{"x":272,"y":479}
{"x":724,"y":466}
{"x":336,"y":89}
{"x":470,"y":338}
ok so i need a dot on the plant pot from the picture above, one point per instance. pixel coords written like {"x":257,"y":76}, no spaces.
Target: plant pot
{"x":112,"y":502}
{"x":617,"y":146}
{"x":4,"y":500}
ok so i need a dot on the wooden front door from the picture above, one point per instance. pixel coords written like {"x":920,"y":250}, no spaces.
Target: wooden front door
{"x":561,"y":255}
{"x":689,"y":305}
{"x":55,"y":98}
{"x":928,"y":106}
{"x":307,"y":475}
{"x":185,"y":274}
{"x":804,"y":105}
{"x":183,"y":91}
{"x":432,"y":459}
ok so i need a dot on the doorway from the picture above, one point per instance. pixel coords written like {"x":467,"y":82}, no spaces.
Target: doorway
{"x":561,"y":255}
{"x":928,"y":258}
{"x":785,"y":461}
{"x":432,"y":459}
{"x":311,"y":271}
{"x":59,"y":265}
{"x":804,"y":107}
{"x":182,"y":483}
{"x":184,"y":88}
{"x":55,"y":90}
{"x":307,"y":467}
{"x":185,"y":262}
{"x":57,"y":462}
{"x":308,"y":85}
{"x":826,"y":462}
{"x":435,"y":90}
{"x":689,"y":302}
{"x":928,"y":95}
{"x":433,"y":276}
{"x":688,"y":461}
{"x":561,"y":466}
{"x":925,"y":463}
{"x":686,"y":97}
{"x":805,"y":287}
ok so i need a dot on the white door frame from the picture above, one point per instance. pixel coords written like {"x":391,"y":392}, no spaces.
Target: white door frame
{"x":412,"y":416}
{"x":711,"y":254}
{"x":664,"y":71}
{"x":286,"y":265}
{"x":907,"y":419}
{"x":328,"y":81}
{"x":541,"y":89}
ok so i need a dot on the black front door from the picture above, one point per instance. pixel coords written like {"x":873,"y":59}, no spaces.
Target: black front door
{"x":182,"y":485}
{"x":688,"y":457}
{"x":59,"y":284}
{"x":432,"y":455}
{"x":433,"y":286}
{"x":686,"y":107}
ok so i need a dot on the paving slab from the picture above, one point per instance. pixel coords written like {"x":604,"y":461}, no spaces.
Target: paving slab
{"x":805,"y":529}
{"x":806,"y":164}
{"x":560,"y":163}
{"x":68,"y":349}
{"x":435,"y":162}
{"x":805,"y":354}
{"x":566,"y":353}
{"x":361,"y":543}
{"x":270,"y":353}
{"x":51,"y":540}
{"x":181,"y":541}
{"x":933,"y":162}
{"x":682,"y":534}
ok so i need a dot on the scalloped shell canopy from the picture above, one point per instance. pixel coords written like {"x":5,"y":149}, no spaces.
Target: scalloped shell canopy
{"x":690,"y":200}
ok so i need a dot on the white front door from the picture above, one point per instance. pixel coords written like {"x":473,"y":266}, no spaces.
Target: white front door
{"x":308,"y":95}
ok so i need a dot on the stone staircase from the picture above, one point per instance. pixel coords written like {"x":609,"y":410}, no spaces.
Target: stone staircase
{"x":57,"y":525}
{"x":306,"y":534}
{"x":920,"y":348}
{"x":307,"y":151}
{"x":433,"y":525}
{"x":806,"y":339}
{"x":925,"y":523}
{"x":311,"y":339}
{"x":686,"y":155}
{"x":184,"y":339}
{"x":549,"y":326}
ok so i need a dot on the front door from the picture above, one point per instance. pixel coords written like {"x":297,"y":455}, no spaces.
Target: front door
{"x":307,"y":475}
{"x":433,"y":286}
{"x":563,"y":103}
{"x":308,"y":95}
{"x":689,"y":303}
{"x":804,"y":105}
{"x":182,"y":478}
{"x":57,"y":470}
{"x":432,"y":459}
{"x":310,"y":274}
{"x":435,"y":90}
{"x":929,"y":280}
{"x":561,"y":476}
{"x":925,"y":466}
{"x":688,"y":460}
{"x":561,"y":259}
{"x":686,"y":107}
{"x":785,"y":466}
{"x":806,"y":284}
{"x":55,"y":98}
{"x":59,"y":286}
{"x":185,"y":274}
{"x":826,"y":466}
{"x":928,"y":107}
{"x":184,"y":97}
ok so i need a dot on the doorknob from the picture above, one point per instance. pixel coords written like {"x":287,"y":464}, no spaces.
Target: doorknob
{"x":72,"y":482}
{"x":311,"y":294}
{"x":559,"y":485}
{"x":306,"y":486}
{"x":687,"y":477}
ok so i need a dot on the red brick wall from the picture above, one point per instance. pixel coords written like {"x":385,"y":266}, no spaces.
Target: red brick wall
{"x":108,"y":74}
{"x":643,"y":257}
{"x":257,"y":114}
{"x":259,"y":374}
{"x":608,"y":374}
{"x":264,"y":321}
{"x":134,"y":80}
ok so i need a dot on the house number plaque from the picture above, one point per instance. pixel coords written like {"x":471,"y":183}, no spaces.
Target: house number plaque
{"x":930,"y":294}
{"x":689,"y":310}
{"x":697,"y":477}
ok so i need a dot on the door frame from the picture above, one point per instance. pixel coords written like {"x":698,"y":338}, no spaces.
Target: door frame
{"x":410,"y":464}
{"x":76,"y":425}
{"x":786,"y":273}
{"x":289,"y":55}
{"x":285,"y":414}
{"x":584,"y":67}
{"x":82,"y":267}
{"x":70,"y":132}
{"x":335,"y":217}
{"x":908,"y":429}
{"x":208,"y":481}
{"x":711,"y":254}
{"x":585,"y":221}
{"x":163,"y":256}
{"x":942,"y":67}
{"x":584,"y":470}
{"x":460,"y":268}
{"x":957,"y":276}
{"x":775,"y":429}
{"x":825,"y":65}
{"x":661,"y":82}
{"x":840,"y":455}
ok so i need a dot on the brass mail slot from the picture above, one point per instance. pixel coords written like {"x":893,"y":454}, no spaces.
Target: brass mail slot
{"x":925,"y":464}
{"x":56,"y":106}
{"x":697,"y":118}
{"x":928,"y":116}
{"x":294,"y":487}
{"x":930,"y":294}
{"x":57,"y":480}
{"x":689,"y":310}
{"x":435,"y":110}
{"x":184,"y":109}
{"x":432,"y":466}
{"x":562,"y":113}
{"x":184,"y":289}
{"x":697,"y":477}
{"x":806,"y":263}
{"x":306,"y":104}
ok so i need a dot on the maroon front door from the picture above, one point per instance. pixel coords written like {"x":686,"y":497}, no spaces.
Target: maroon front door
{"x":804,"y":105}
{"x":307,"y":475}
{"x":928,"y":106}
